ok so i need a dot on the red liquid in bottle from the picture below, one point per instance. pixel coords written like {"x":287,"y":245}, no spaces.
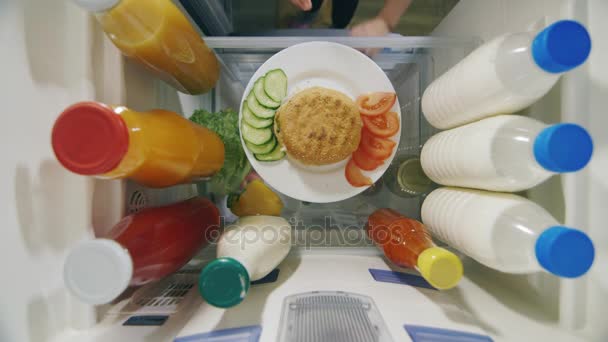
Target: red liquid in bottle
{"x":162,"y":240}
{"x":402,"y":239}
{"x":141,"y":248}
{"x":407,"y":243}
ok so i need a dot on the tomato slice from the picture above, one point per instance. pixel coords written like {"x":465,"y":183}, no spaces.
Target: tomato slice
{"x":376,"y":147}
{"x":376,"y":103}
{"x":383,"y":125}
{"x":364,"y":161}
{"x":354,"y":176}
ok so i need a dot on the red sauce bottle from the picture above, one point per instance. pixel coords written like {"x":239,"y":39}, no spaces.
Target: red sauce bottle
{"x":407,"y":243}
{"x":141,"y":248}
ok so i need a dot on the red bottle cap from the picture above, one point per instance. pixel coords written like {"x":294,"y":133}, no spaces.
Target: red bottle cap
{"x":89,"y":138}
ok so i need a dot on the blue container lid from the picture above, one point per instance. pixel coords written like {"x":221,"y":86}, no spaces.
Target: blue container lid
{"x":561,"y":46}
{"x":564,"y":147}
{"x":564,"y":251}
{"x":224,"y":282}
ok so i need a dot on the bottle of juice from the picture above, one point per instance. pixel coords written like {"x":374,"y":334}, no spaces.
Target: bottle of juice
{"x":247,"y":251}
{"x":407,"y":243}
{"x":158,"y":35}
{"x":141,"y":248}
{"x":157,"y":148}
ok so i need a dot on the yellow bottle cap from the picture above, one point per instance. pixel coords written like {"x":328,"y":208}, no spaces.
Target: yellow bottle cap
{"x":440,"y":267}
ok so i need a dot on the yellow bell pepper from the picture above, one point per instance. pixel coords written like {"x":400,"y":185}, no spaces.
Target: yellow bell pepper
{"x":257,"y":199}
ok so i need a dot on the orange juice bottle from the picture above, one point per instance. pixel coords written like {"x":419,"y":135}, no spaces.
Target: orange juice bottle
{"x":157,"y":34}
{"x":157,"y":148}
{"x":407,"y":243}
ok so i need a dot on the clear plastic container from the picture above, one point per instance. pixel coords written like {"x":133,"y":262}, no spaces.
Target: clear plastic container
{"x":506,"y":232}
{"x":505,"y":75}
{"x":331,"y":316}
{"x":406,"y":178}
{"x":505,"y":153}
{"x":408,"y":62}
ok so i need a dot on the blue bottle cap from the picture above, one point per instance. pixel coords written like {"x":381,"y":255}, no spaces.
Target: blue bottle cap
{"x":224,"y":282}
{"x":561,"y":46}
{"x":564,"y":251}
{"x":564,"y":147}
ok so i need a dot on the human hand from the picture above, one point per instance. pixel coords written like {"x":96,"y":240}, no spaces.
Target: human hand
{"x":372,"y":28}
{"x":304,"y":5}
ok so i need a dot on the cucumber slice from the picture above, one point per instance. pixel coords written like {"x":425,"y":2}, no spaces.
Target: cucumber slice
{"x":257,"y":109}
{"x":253,"y":120}
{"x":276,"y":154}
{"x":275,"y":84}
{"x":256,"y":136}
{"x":262,"y":149}
{"x":260,"y":95}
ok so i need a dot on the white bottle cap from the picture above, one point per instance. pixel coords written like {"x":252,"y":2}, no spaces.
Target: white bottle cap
{"x":97,"y":5}
{"x":98,"y":271}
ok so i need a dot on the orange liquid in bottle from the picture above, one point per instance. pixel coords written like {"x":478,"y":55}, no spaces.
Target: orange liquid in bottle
{"x":407,"y":243}
{"x":156,"y":148}
{"x":158,"y":35}
{"x":166,"y":149}
{"x":402,"y":239}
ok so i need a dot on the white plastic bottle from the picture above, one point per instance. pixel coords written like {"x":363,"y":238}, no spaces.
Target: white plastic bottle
{"x":505,"y":153}
{"x":506,"y":232}
{"x":247,"y":251}
{"x":505,"y":74}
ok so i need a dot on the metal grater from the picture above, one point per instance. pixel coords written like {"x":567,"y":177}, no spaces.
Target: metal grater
{"x":332,"y":316}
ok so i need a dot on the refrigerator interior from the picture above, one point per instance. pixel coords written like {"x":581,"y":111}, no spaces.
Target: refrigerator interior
{"x":48,"y":209}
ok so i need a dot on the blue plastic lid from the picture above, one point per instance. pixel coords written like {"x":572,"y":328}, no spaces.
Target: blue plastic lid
{"x":224,"y":282}
{"x":561,"y":46}
{"x":564,"y":251}
{"x":564,"y":147}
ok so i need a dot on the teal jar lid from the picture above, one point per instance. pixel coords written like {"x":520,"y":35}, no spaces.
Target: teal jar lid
{"x":224,"y":282}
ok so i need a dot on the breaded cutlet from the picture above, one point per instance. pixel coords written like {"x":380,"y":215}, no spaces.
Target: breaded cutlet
{"x":319,"y":126}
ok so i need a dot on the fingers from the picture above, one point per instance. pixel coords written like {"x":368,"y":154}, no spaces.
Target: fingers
{"x":307,"y":5}
{"x":357,"y":31}
{"x":304,"y":5}
{"x":362,"y":30}
{"x":371,"y":28}
{"x":371,"y":52}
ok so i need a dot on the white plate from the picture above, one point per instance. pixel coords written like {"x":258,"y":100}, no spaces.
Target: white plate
{"x":332,"y":66}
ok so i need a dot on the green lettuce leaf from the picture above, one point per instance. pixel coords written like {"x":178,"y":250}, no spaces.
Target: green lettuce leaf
{"x":236,"y":166}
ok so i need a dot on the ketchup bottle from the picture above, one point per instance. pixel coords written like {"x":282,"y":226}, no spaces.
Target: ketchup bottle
{"x":141,"y":248}
{"x":407,"y":243}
